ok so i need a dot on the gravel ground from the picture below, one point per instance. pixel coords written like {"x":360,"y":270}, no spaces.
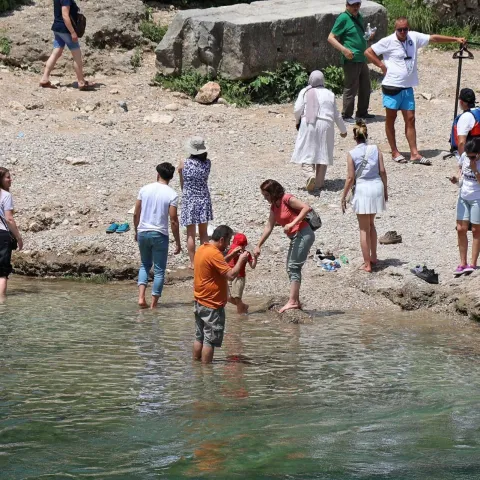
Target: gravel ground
{"x":78,"y":161}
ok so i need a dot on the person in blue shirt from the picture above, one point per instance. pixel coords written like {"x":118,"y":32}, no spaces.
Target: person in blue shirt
{"x":65,"y":35}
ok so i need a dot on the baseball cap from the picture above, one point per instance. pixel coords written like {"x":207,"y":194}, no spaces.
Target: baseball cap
{"x":351,"y":2}
{"x":468,"y":96}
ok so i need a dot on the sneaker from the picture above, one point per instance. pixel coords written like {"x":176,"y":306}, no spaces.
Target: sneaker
{"x":310,"y":184}
{"x":468,"y":269}
{"x":349,"y":120}
{"x":425,"y":274}
{"x":390,"y":238}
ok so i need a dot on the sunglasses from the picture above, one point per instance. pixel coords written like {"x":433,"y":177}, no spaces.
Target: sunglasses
{"x":400,"y":30}
{"x":473,"y":157}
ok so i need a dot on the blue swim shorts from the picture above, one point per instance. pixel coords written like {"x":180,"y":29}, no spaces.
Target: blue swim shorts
{"x":468,"y":210}
{"x":404,"y":100}
{"x":61,"y":39}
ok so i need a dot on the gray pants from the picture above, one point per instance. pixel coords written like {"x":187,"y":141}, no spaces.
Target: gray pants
{"x":357,"y":80}
{"x":300,"y":245}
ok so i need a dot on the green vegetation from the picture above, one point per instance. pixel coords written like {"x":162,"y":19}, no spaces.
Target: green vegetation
{"x":100,"y":278}
{"x":151,"y":30}
{"x":280,"y":86}
{"x":5,"y":45}
{"x":423,"y":18}
{"x":6,"y":5}
{"x":136,"y":60}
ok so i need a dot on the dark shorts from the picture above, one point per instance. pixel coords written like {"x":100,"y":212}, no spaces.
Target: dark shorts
{"x":5,"y":254}
{"x":209,"y":325}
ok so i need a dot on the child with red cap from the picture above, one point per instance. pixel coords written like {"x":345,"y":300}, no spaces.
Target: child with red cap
{"x":238,"y":285}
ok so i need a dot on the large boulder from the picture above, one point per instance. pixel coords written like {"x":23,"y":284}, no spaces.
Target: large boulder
{"x":244,"y":40}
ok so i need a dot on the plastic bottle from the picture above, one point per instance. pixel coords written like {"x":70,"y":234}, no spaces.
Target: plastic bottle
{"x":369,"y":32}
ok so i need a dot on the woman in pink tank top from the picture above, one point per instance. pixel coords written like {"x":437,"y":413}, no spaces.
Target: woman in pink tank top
{"x":288,"y":212}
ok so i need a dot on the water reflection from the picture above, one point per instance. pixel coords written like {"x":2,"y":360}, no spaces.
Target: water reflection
{"x":92,"y":387}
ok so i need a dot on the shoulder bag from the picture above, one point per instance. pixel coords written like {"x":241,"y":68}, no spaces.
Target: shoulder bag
{"x":312,"y":217}
{"x":79,"y":25}
{"x":358,"y":173}
{"x":13,"y":240}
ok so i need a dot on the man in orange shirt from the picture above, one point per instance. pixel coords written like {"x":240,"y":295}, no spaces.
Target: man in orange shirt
{"x":211,"y":276}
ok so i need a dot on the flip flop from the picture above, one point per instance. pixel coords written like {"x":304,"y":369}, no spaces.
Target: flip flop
{"x":112,"y":228}
{"x":421,"y":161}
{"x":87,"y":87}
{"x":400,"y":159}
{"x":48,"y":85}
{"x":124,"y":227}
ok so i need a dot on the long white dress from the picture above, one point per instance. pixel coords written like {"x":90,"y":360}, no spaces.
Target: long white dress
{"x":315,"y":142}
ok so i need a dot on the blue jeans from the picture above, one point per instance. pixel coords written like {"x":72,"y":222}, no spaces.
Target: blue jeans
{"x":153,"y":251}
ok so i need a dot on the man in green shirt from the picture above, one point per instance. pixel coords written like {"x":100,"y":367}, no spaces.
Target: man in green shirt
{"x":348,"y":37}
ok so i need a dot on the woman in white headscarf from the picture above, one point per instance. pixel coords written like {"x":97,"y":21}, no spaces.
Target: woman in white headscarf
{"x":316,"y":114}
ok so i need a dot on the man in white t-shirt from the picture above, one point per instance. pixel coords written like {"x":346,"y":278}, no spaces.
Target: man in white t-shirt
{"x":467,"y":124}
{"x":156,"y":205}
{"x":399,"y":65}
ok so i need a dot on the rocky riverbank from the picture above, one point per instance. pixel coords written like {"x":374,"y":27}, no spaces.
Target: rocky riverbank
{"x":78,"y":160}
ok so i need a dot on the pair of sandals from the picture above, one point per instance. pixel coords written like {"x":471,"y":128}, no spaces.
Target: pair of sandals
{"x":118,"y":227}
{"x":86,"y":87}
{"x":419,"y":161}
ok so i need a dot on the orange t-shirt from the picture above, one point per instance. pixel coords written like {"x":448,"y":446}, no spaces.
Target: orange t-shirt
{"x":210,"y":286}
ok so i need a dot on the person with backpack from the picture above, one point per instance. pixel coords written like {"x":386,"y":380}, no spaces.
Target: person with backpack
{"x":467,"y":124}
{"x":66,"y":14}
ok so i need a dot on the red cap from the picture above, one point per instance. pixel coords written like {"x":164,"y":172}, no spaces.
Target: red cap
{"x":240,"y":239}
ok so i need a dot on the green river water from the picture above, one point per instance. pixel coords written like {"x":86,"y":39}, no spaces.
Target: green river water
{"x":92,"y":388}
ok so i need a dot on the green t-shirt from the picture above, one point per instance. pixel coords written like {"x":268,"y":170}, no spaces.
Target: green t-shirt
{"x":350,"y":31}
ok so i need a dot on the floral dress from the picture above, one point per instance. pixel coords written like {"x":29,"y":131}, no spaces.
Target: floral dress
{"x":196,"y":202}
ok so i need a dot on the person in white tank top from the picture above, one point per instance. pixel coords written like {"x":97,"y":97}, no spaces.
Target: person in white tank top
{"x":366,"y":171}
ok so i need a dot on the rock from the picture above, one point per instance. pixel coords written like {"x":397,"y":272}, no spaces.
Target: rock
{"x":222,"y":101}
{"x":172,"y":107}
{"x":123,"y":105}
{"x":114,"y":91}
{"x":427,"y":96}
{"x":35,"y":227}
{"x":159,"y":118}
{"x":17,"y":106}
{"x":77,"y":161}
{"x":34,"y":106}
{"x":91,"y":108}
{"x":241,"y":41}
{"x":208,"y":93}
{"x":180,"y":95}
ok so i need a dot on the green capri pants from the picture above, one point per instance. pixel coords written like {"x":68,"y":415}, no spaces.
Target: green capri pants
{"x":300,"y":244}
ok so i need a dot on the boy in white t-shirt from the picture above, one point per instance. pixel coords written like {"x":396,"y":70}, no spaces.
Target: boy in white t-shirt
{"x":399,"y":65}
{"x":468,"y":204}
{"x":156,"y":205}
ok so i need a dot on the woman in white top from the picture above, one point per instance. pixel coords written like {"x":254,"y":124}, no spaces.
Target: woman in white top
{"x":7,"y":226}
{"x":316,"y":114}
{"x":468,"y":205}
{"x":367,"y":172}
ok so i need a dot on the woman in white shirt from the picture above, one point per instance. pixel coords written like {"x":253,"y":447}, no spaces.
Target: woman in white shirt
{"x":468,"y":204}
{"x":316,"y":114}
{"x":7,"y":227}
{"x":367,"y":172}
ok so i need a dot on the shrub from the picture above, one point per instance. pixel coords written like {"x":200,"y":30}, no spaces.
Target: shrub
{"x":153,"y":31}
{"x":423,"y":18}
{"x":136,"y":60}
{"x":5,"y":45}
{"x":279,"y":86}
{"x":6,"y":5}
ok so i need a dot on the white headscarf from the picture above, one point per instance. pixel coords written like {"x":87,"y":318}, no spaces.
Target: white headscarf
{"x":315,"y":80}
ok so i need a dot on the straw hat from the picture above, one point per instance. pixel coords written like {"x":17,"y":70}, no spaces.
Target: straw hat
{"x":196,"y":146}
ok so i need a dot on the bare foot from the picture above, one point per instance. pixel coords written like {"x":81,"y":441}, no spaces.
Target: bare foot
{"x":142,"y":304}
{"x":289,"y":306}
{"x":366,"y":268}
{"x":243,"y":309}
